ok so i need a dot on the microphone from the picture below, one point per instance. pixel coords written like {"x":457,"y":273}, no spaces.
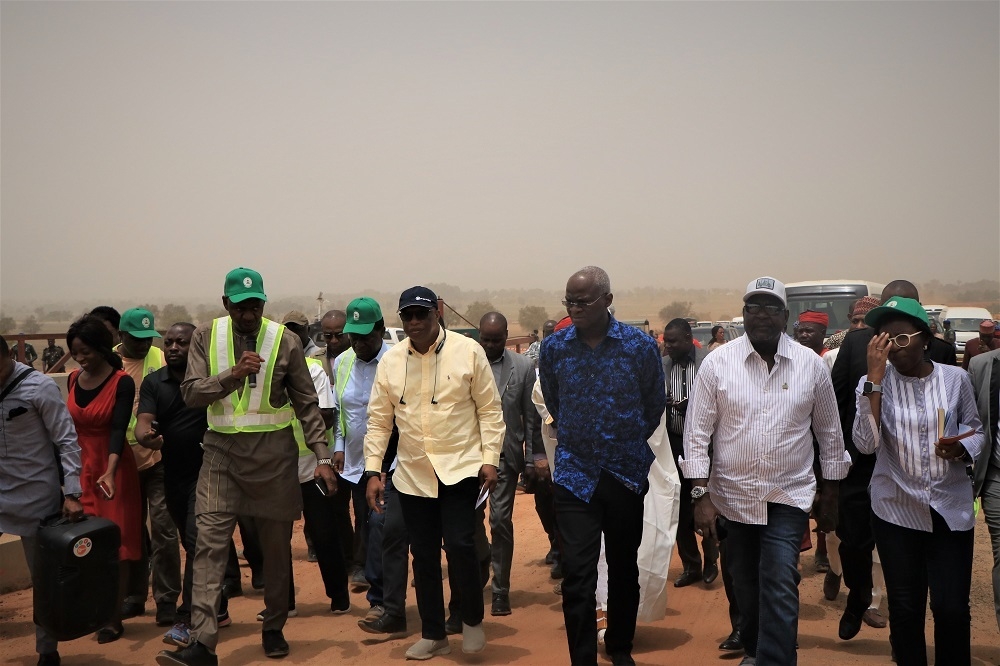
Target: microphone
{"x":252,"y":344}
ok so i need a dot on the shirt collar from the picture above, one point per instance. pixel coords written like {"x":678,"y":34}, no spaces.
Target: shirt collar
{"x":437,"y":341}
{"x":378,"y":357}
{"x":614,"y":330}
{"x":784,"y":346}
{"x":687,"y":358}
{"x":310,"y":348}
{"x":499,"y":358}
{"x":18,"y":369}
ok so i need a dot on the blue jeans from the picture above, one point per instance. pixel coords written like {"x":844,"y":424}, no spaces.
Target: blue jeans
{"x":764,"y":561}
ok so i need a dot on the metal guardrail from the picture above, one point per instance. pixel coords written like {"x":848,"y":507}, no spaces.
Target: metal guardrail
{"x":21,"y":338}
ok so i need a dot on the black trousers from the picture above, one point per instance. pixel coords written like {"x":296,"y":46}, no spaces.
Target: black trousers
{"x":388,"y":556}
{"x":180,"y":500}
{"x":913,"y":563}
{"x":342,"y":519}
{"x":617,"y":512}
{"x":317,"y":510}
{"x":687,"y":542}
{"x":449,"y":518}
{"x":546,"y":510}
{"x":729,"y":585}
{"x":855,"y":531}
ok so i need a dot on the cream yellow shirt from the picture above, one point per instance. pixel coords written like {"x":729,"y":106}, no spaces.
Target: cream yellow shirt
{"x":449,"y":440}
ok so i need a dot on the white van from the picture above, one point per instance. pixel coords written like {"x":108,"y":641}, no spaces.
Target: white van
{"x":834,"y":297}
{"x":965,"y":322}
{"x":393,"y":335}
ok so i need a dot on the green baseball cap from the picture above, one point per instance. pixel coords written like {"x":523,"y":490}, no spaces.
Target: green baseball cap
{"x":138,"y":322}
{"x":362,"y":315}
{"x":243,"y":283}
{"x":906,"y":306}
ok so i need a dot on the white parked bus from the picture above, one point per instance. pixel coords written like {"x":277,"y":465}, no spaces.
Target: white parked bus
{"x":834,"y":297}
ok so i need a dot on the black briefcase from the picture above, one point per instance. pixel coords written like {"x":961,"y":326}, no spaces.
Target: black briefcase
{"x":76,"y":576}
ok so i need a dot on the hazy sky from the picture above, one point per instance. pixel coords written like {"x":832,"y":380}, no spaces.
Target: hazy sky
{"x":147,"y":148}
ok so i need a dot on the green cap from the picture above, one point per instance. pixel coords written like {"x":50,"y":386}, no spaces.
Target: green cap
{"x":244,"y":283}
{"x":138,"y":322}
{"x":362,"y":315}
{"x":906,"y":306}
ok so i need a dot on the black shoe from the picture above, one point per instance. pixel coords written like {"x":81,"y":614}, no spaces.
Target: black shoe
{"x":687,"y":578}
{"x":132,"y":609}
{"x":550,"y":557}
{"x":831,"y":585}
{"x":732,"y":644}
{"x":195,"y":654}
{"x":257,"y":581}
{"x":393,"y":627}
{"x":49,"y":659}
{"x":232,"y":590}
{"x":501,"y":605}
{"x":622,"y":659}
{"x":850,"y":625}
{"x":710,"y":573}
{"x":275,"y":645}
{"x":557,"y":570}
{"x":453,"y":625}
{"x":166,"y":615}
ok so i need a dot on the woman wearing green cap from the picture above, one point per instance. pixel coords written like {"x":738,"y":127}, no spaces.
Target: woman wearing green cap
{"x":920,"y":419}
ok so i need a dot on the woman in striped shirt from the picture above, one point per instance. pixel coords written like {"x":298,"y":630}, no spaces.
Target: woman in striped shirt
{"x":921,"y":420}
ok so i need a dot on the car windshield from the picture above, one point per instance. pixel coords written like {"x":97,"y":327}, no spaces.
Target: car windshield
{"x":702,"y":334}
{"x":837,"y":307}
{"x":965,"y":325}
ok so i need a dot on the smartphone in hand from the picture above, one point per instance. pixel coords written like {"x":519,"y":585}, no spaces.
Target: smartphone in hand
{"x":321,"y":486}
{"x":103,"y":487}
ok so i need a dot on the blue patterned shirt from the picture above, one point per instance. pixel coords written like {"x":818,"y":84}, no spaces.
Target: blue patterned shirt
{"x":606,"y":402}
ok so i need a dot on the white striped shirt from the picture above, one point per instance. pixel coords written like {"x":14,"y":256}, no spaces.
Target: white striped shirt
{"x":761,"y":426}
{"x":909,"y":477}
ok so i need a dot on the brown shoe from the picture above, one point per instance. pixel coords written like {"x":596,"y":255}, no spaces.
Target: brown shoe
{"x":874,"y":618}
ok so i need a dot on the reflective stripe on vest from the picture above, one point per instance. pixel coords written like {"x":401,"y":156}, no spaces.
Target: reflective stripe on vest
{"x":343,"y":375}
{"x":250,"y":411}
{"x":153,"y":362}
{"x":300,"y":436}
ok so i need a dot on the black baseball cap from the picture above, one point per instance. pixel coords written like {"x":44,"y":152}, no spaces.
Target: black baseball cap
{"x":421,"y":296}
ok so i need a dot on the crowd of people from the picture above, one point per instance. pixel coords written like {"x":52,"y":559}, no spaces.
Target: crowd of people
{"x":390,"y":451}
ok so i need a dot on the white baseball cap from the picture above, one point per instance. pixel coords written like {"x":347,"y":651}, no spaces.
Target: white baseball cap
{"x":766,"y":285}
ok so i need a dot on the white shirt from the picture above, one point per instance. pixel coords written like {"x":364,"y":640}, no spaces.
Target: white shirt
{"x":761,"y":426}
{"x":353,"y":404}
{"x":307,"y":463}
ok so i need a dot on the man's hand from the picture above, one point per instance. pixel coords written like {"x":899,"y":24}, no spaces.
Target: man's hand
{"x":326,"y":473}
{"x":72,"y":510}
{"x":826,"y":514}
{"x":249,"y":364}
{"x":375,"y":493}
{"x":338,"y":462}
{"x":705,"y":515}
{"x":487,"y":478}
{"x":150,"y":440}
{"x":543,"y":475}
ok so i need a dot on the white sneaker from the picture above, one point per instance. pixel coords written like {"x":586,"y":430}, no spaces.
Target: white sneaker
{"x":425,"y":648}
{"x":473,"y":638}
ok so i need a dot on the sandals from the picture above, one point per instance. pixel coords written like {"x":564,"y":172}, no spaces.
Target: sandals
{"x":110,"y":634}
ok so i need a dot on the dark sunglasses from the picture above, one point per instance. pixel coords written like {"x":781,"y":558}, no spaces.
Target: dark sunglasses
{"x":330,"y":336}
{"x":419,"y":314}
{"x":756,"y":308}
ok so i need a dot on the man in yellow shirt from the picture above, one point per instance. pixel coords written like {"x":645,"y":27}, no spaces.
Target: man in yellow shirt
{"x":440,"y":392}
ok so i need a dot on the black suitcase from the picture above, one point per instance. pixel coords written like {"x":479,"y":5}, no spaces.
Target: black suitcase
{"x":76,"y":576}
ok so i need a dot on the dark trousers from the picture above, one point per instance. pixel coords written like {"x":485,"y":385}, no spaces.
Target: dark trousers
{"x":386,"y":567}
{"x":355,"y":548}
{"x":484,"y":550}
{"x":913,"y":562}
{"x":180,"y":500}
{"x":546,"y":510}
{"x":855,"y":531}
{"x":729,"y":585}
{"x":450,"y":517}
{"x":253,"y":550}
{"x":617,"y":512}
{"x":342,"y":519}
{"x":161,"y":555}
{"x":687,"y":542}
{"x":764,"y":561}
{"x":317,"y":510}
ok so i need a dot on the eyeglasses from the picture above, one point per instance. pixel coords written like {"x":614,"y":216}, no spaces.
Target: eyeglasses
{"x":903,"y":339}
{"x":580,"y":304}
{"x":756,"y":308}
{"x":416,"y":313}
{"x":330,"y":336}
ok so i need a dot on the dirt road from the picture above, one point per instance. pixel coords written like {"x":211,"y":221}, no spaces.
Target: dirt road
{"x":696,"y":622}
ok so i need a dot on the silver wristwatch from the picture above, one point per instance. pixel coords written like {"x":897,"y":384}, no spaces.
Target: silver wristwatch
{"x":697,"y":492}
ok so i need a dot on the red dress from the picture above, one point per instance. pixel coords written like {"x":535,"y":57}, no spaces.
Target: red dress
{"x":93,"y":430}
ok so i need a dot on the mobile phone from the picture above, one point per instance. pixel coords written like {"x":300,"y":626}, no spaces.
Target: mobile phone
{"x":154,"y":427}
{"x":104,"y":489}
{"x":321,"y":486}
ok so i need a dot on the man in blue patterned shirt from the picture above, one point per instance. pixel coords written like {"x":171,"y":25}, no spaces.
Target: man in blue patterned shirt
{"x":603,"y":385}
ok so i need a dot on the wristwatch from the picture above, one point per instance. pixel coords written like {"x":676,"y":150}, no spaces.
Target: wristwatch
{"x":325,"y":461}
{"x":73,"y":496}
{"x":697,"y":492}
{"x":868,"y":388}
{"x":369,"y":474}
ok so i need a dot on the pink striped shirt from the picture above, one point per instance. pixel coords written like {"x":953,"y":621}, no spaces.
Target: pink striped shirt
{"x":761,"y":426}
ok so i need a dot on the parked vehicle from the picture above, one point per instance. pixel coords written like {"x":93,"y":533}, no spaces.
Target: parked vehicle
{"x":965,"y":322}
{"x":834,"y":297}
{"x":393,"y":335}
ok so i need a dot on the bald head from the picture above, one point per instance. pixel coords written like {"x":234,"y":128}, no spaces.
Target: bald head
{"x":900,"y":289}
{"x":493,"y":335}
{"x":338,"y":316}
{"x":493,"y":320}
{"x":333,"y":332}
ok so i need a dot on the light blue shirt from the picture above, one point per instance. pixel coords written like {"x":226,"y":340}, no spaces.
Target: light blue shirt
{"x":353,"y":404}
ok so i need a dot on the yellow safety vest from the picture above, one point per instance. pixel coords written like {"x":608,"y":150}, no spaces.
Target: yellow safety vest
{"x":300,"y":436}
{"x":251,"y":410}
{"x":153,"y":362}
{"x":344,"y":374}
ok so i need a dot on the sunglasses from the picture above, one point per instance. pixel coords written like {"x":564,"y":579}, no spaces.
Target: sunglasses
{"x":756,"y":308}
{"x":580,"y":304}
{"x":418,"y":313}
{"x":330,"y":336}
